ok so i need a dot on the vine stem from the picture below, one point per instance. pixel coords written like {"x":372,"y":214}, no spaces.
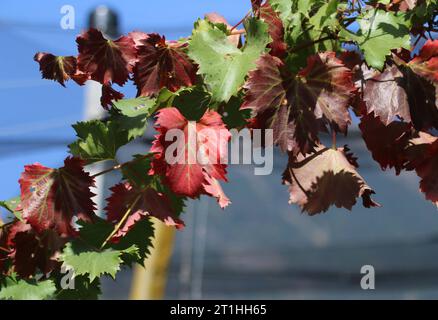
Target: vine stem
{"x":311,"y":43}
{"x":237,"y":32}
{"x":292,"y":173}
{"x":240,"y":21}
{"x":119,"y":166}
{"x":116,"y":167}
{"x":333,"y":139}
{"x":5,"y":250}
{"x":121,"y":222}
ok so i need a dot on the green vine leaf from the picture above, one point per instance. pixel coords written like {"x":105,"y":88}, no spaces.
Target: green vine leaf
{"x":84,"y":290}
{"x":132,"y":115}
{"x":379,"y":33}
{"x":326,"y":16}
{"x":11,"y":205}
{"x":98,"y":140}
{"x":92,"y":263}
{"x":223,"y":65}
{"x":28,"y":290}
{"x":140,"y":236}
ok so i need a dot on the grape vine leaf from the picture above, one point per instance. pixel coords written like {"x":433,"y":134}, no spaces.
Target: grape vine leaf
{"x":324,"y":178}
{"x":106,"y":60}
{"x":423,"y":157}
{"x":188,"y":176}
{"x":325,"y":17}
{"x":93,"y":263}
{"x":297,"y":106}
{"x":425,"y":63}
{"x":13,"y":206}
{"x":140,"y":235}
{"x":218,"y":19}
{"x":59,"y":68}
{"x":31,"y":251}
{"x":99,"y":140}
{"x":384,"y":96}
{"x":132,"y":115}
{"x":224,"y":66}
{"x":83,"y":290}
{"x":28,"y":290}
{"x":275,"y":29}
{"x":386,"y":142}
{"x":108,"y":95}
{"x":161,"y":64}
{"x":51,"y":198}
{"x":422,"y":96}
{"x":284,"y":10}
{"x":139,"y":204}
{"x":379,"y":33}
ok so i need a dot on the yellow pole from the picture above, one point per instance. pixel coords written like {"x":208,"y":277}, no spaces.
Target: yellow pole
{"x":149,"y":282}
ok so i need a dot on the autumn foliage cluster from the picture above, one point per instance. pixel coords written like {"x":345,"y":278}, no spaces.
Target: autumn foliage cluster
{"x":303,"y":68}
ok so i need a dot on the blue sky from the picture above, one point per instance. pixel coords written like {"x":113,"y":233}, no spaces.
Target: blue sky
{"x":37,"y":114}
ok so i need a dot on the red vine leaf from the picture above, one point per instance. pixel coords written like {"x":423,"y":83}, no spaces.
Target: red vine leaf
{"x":422,"y":97}
{"x":193,"y":175}
{"x":51,"y":198}
{"x":106,"y":60}
{"x":327,"y":84}
{"x":401,"y":5}
{"x":386,"y":142}
{"x":31,"y":252}
{"x":426,"y":63}
{"x":276,"y":30}
{"x":213,"y":188}
{"x":256,"y":5}
{"x":108,"y":95}
{"x":162,"y":64}
{"x":59,"y":68}
{"x":423,"y":157}
{"x":141,"y":204}
{"x":324,"y":178}
{"x":138,"y":37}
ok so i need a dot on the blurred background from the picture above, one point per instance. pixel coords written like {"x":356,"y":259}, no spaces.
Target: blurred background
{"x":260,"y":247}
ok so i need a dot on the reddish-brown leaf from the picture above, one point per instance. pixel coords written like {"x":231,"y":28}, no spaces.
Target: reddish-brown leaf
{"x":297,"y":106}
{"x":32,"y":252}
{"x":426,"y":63}
{"x":108,"y":95}
{"x":423,"y":157}
{"x":386,"y":142}
{"x":399,"y":5}
{"x":276,"y":30}
{"x":384,"y":96}
{"x":422,"y":96}
{"x":256,"y":5}
{"x":138,"y":37}
{"x":59,"y":68}
{"x":162,"y":64}
{"x":327,"y":84}
{"x":51,"y":198}
{"x":324,"y":178}
{"x":107,"y":61}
